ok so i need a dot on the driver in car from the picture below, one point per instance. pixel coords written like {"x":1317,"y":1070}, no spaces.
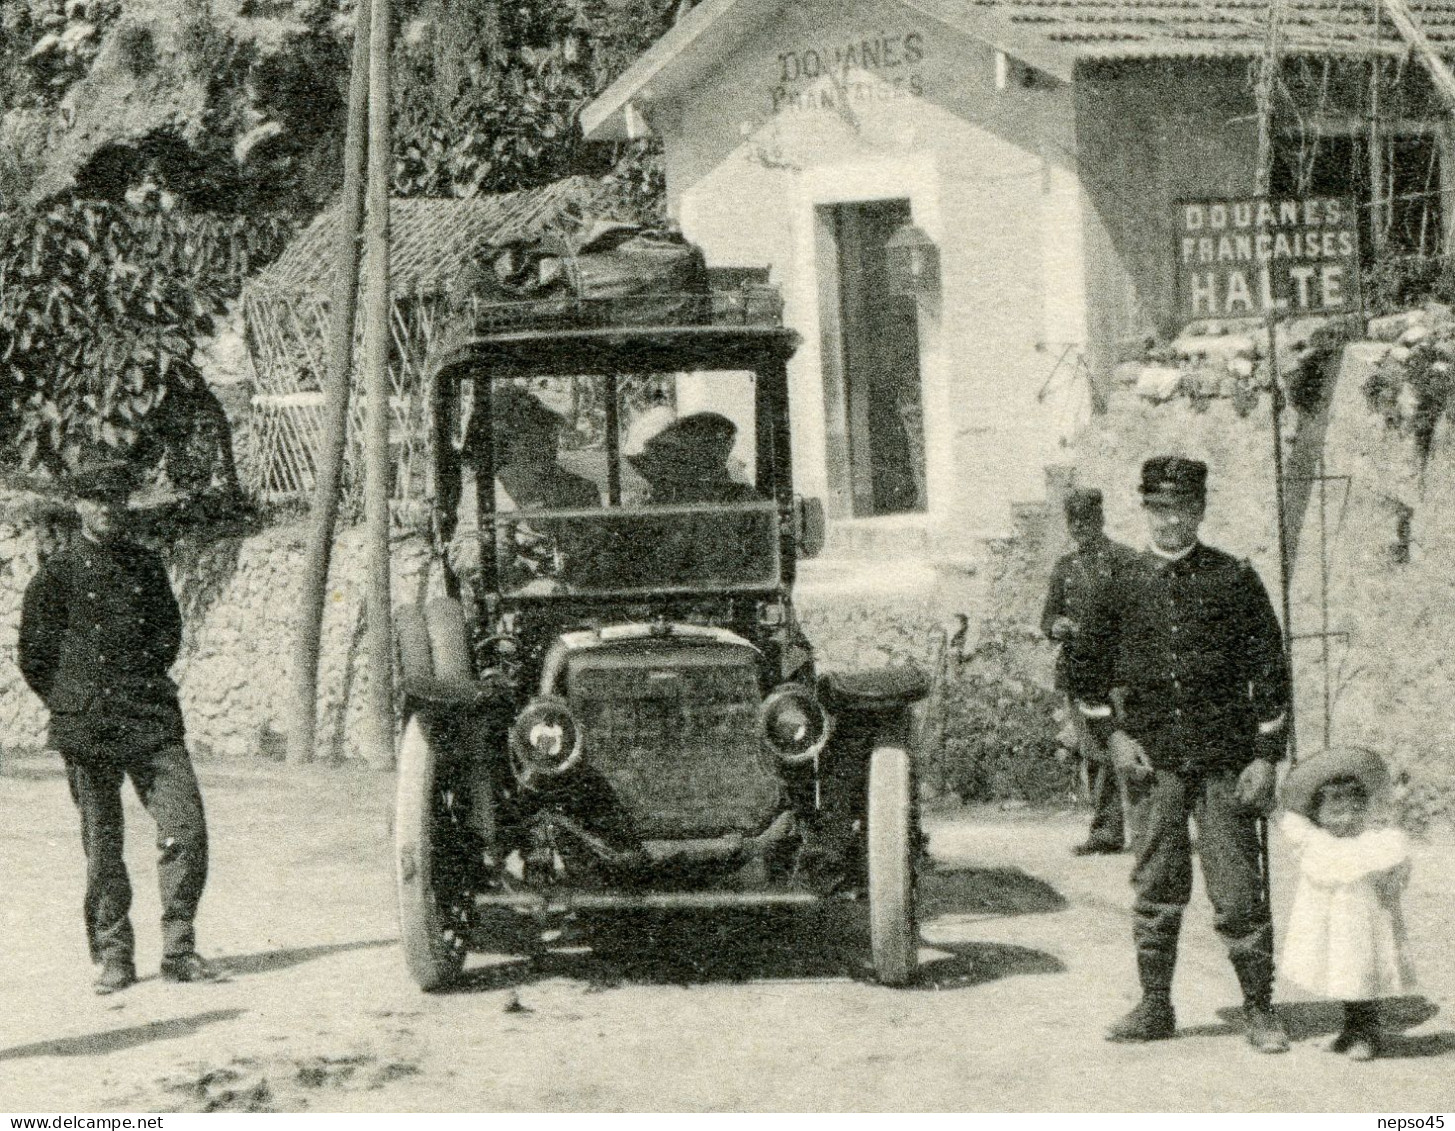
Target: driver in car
{"x":525,"y":443}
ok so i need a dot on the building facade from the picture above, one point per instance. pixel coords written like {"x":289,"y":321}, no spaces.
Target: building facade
{"x":1036,"y":153}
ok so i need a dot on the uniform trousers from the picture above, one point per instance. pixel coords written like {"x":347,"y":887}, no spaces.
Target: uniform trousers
{"x":164,"y":781}
{"x":1228,"y":848}
{"x":1112,"y":817}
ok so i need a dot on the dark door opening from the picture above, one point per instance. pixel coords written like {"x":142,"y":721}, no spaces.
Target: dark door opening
{"x":872,"y":370}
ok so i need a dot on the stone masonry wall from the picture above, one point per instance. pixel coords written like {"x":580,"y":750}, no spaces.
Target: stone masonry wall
{"x":239,"y":597}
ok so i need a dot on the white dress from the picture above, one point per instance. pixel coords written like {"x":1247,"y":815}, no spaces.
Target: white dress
{"x":1346,"y":936}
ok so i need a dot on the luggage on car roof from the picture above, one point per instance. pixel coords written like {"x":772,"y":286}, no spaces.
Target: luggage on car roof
{"x":655,"y":274}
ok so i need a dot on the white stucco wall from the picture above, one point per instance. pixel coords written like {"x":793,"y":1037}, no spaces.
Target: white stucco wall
{"x":990,"y":175}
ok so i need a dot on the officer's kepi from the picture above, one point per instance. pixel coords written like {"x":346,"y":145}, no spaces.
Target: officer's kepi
{"x":1173,"y":481}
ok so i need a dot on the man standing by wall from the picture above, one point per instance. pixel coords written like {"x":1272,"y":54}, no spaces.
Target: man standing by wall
{"x":99,"y":631}
{"x":1201,"y":690}
{"x":1079,"y":606}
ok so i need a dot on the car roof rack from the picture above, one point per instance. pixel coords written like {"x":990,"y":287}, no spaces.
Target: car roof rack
{"x":727,"y":329}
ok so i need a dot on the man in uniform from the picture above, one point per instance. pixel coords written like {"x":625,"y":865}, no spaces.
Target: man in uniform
{"x":1079,"y":604}
{"x":1198,"y":696}
{"x":99,"y":630}
{"x":684,"y":464}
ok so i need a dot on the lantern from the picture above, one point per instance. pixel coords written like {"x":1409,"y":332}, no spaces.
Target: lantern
{"x":913,"y":262}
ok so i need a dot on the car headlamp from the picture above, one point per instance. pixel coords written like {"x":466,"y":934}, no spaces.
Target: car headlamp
{"x":795,"y":725}
{"x":545,"y":740}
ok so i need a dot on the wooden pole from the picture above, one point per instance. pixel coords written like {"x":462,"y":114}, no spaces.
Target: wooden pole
{"x":380,"y":634}
{"x":1411,"y":32}
{"x":1262,"y":186}
{"x":303,"y":710}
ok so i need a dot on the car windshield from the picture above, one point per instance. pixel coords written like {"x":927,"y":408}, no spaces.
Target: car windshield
{"x":623,"y":483}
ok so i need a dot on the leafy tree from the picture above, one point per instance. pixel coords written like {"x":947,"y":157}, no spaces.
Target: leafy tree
{"x":488,"y":94}
{"x":100,"y":310}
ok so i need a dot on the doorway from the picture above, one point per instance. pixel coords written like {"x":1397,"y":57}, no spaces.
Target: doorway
{"x":872,"y":386}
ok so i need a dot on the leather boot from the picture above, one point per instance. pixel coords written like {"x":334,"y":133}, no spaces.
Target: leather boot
{"x":1255,"y":976}
{"x":117,"y":973}
{"x":1151,"y":1020}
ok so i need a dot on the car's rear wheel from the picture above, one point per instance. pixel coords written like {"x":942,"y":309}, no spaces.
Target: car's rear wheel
{"x":893,"y":934}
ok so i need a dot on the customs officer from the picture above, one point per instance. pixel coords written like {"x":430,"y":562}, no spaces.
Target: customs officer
{"x":1199,"y":693}
{"x":99,"y":630}
{"x":1080,"y":600}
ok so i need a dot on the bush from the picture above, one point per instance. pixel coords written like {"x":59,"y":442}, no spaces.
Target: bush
{"x":1000,"y":725}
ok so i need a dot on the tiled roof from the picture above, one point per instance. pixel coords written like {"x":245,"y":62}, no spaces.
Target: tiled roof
{"x":1111,"y":29}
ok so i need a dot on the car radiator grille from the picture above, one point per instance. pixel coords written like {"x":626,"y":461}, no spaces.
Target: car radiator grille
{"x":674,"y":732}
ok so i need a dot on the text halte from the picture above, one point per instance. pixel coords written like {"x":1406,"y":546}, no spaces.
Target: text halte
{"x":1310,"y":288}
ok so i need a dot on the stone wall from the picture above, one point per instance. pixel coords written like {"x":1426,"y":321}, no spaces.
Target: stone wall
{"x":239,"y":597}
{"x":1392,"y":606}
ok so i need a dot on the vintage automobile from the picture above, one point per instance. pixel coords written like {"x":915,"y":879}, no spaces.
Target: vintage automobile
{"x":615,"y":709}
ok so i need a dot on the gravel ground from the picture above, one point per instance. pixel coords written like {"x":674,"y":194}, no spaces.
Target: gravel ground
{"x":1026,"y":957}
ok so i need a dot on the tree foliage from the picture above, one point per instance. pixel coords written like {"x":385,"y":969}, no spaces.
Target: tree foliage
{"x":101,"y":307}
{"x":488,"y":94}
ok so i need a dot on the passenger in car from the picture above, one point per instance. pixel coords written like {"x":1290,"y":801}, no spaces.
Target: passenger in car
{"x":687,"y":462}
{"x":526,"y":438}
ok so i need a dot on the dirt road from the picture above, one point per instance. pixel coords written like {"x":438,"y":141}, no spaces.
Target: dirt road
{"x":1026,"y":954}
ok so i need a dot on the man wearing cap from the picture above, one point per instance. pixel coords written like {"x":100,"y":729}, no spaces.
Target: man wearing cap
{"x":1198,"y":694}
{"x":1076,"y":614}
{"x":99,"y":631}
{"x":687,"y":462}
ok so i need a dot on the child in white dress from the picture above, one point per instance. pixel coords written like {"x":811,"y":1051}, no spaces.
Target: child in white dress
{"x":1346,"y":936}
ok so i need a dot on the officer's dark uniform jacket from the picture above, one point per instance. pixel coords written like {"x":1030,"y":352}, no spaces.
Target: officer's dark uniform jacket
{"x":1083,"y":587}
{"x":1198,"y":659}
{"x":99,"y":630}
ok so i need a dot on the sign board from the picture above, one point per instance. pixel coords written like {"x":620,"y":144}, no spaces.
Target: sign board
{"x":1250,"y":257}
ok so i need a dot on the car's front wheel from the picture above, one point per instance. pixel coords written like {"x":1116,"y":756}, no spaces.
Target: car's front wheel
{"x":893,"y":934}
{"x":434,"y":895}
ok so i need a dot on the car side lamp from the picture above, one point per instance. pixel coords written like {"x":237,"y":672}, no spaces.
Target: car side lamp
{"x":912,"y":262}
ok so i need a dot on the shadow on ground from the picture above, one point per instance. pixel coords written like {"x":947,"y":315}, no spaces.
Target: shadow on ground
{"x":117,"y":1040}
{"x":830,"y":941}
{"x":984,"y":892}
{"x":266,"y":961}
{"x":1308,"y":1020}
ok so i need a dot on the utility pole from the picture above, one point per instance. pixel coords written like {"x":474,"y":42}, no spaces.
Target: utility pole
{"x":1262,"y":185}
{"x":303,"y":709}
{"x":379,"y":709}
